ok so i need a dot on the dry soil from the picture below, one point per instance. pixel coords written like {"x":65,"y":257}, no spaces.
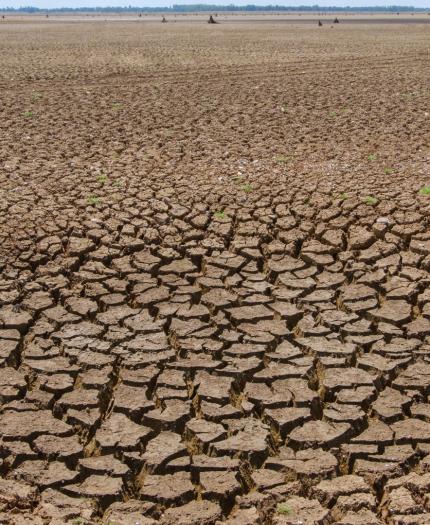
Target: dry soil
{"x":214,"y":258}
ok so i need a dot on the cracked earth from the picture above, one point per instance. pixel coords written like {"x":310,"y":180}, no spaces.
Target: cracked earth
{"x":214,"y":258}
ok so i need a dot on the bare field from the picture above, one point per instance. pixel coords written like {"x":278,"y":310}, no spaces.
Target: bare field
{"x":214,"y":258}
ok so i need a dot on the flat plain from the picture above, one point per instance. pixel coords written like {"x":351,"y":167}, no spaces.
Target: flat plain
{"x":214,"y":259}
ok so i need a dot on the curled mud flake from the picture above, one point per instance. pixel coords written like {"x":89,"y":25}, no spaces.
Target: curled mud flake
{"x":193,"y":513}
{"x":169,"y":489}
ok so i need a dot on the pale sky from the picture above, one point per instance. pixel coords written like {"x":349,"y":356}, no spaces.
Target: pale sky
{"x":163,"y":3}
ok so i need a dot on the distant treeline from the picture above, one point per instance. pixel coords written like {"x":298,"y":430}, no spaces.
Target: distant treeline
{"x":193,"y":8}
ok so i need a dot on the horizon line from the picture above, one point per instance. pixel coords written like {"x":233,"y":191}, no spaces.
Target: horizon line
{"x":199,"y":7}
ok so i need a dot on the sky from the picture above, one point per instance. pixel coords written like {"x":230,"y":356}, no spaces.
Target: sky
{"x":163,"y":3}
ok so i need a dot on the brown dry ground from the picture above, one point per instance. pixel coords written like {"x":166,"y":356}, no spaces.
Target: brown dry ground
{"x":214,"y":273}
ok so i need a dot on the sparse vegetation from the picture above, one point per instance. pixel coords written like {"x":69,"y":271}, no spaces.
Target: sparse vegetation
{"x":220,"y":214}
{"x":388,"y":171}
{"x":283,"y":508}
{"x":247,"y":188}
{"x":281,"y":159}
{"x":425,"y":190}
{"x":370,"y":200}
{"x":35,"y":96}
{"x":28,"y":114}
{"x":93,"y":200}
{"x":102,"y":179}
{"x":372,"y":157}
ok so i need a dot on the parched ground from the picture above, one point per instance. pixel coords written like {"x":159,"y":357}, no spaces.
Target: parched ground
{"x":215,"y":255}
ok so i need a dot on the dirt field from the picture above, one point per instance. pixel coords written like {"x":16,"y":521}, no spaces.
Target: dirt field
{"x":214,"y":258}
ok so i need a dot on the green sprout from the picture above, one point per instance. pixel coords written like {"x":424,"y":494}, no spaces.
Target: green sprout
{"x":333,"y":114}
{"x":220,"y":214}
{"x":372,"y":157}
{"x":115,"y":155}
{"x":102,"y":179}
{"x":117,"y":183}
{"x":388,"y":171}
{"x":247,"y":188}
{"x":28,"y":114}
{"x":425,"y":190}
{"x":116,"y":105}
{"x":93,"y":200}
{"x":342,"y":196}
{"x":369,"y":200}
{"x":283,"y":508}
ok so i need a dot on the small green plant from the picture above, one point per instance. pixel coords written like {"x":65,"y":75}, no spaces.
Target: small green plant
{"x":283,"y":508}
{"x":35,"y":96}
{"x":116,"y":105}
{"x":372,"y":157}
{"x":102,"y":179}
{"x":281,"y":159}
{"x":370,"y":201}
{"x":425,"y":190}
{"x":247,"y":188}
{"x":117,"y":183}
{"x":93,"y":200}
{"x":220,"y":214}
{"x":342,"y":196}
{"x":28,"y":114}
{"x":115,"y":155}
{"x":332,"y":114}
{"x":388,"y":171}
